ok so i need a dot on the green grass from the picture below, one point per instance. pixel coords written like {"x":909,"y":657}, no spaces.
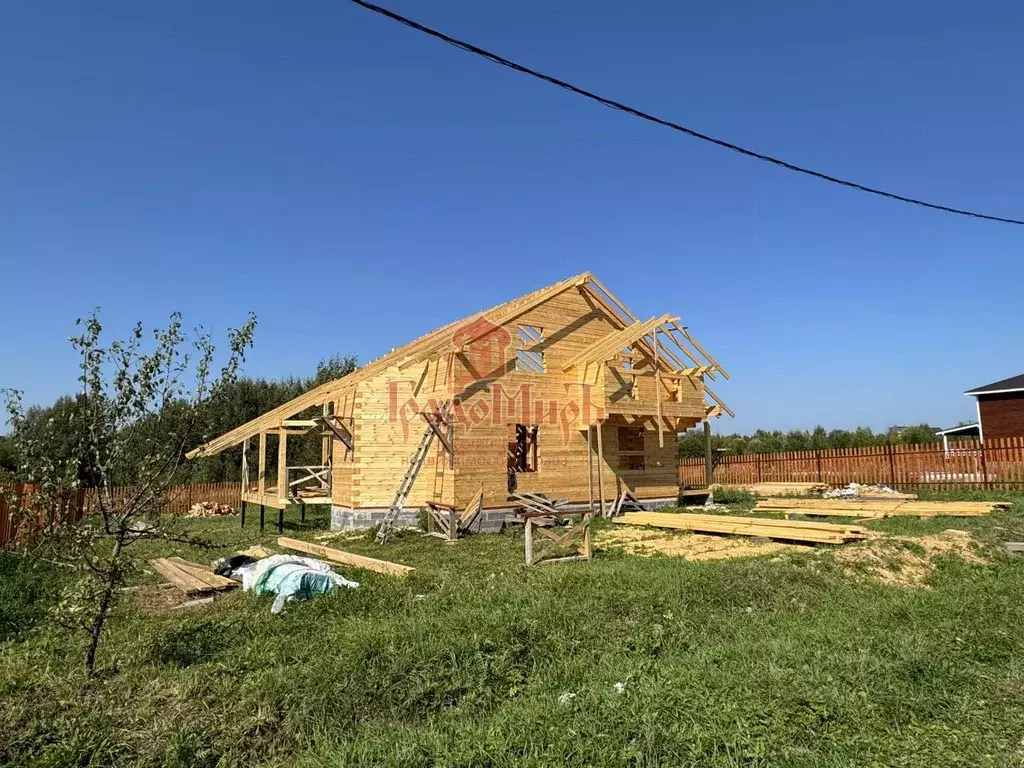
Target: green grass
{"x":767,"y":661}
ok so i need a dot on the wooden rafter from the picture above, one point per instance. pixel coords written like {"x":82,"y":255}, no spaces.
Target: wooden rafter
{"x":676,"y":328}
{"x":612,"y":344}
{"x":339,"y":428}
{"x":719,"y":400}
{"x":500,"y":315}
{"x":699,"y":348}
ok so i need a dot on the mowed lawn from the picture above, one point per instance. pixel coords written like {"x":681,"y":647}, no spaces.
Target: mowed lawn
{"x":780,"y":660}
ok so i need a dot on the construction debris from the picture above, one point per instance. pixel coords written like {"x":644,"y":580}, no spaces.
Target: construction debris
{"x":209,"y":509}
{"x":190,"y":578}
{"x":788,"y":530}
{"x":874,"y":508}
{"x":346,"y":558}
{"x":780,"y":488}
{"x":857,"y":491}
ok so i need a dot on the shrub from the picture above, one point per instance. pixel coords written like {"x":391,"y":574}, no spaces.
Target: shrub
{"x":733,"y":496}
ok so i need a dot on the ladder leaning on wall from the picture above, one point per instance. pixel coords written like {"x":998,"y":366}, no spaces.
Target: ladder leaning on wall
{"x":439,"y":425}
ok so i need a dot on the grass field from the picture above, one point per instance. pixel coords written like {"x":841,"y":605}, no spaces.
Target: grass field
{"x":783,"y":660}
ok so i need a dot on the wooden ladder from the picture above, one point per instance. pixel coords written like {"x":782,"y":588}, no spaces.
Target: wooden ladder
{"x":439,"y":426}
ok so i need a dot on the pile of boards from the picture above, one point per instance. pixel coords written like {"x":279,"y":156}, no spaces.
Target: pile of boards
{"x":789,"y":530}
{"x":877,"y":508}
{"x":191,"y":578}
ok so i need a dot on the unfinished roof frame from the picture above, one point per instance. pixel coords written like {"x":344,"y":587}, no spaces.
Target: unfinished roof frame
{"x":659,"y":348}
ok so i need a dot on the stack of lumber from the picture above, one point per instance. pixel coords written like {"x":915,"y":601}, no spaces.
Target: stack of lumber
{"x":780,"y":489}
{"x":790,"y":530}
{"x":867,"y":492}
{"x":869,"y":508}
{"x":190,"y":578}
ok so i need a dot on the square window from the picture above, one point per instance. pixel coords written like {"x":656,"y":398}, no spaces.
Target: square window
{"x":528,"y":358}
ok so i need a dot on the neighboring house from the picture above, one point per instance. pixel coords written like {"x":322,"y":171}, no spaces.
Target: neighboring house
{"x":562,"y":391}
{"x":1000,"y":410}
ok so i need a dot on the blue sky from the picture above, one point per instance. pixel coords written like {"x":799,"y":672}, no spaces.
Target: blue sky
{"x":356,"y":184}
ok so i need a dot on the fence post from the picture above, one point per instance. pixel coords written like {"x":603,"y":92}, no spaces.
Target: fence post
{"x":757,"y":458}
{"x":817,"y":459}
{"x":984,"y":466}
{"x":708,"y":469}
{"x":892,"y":466}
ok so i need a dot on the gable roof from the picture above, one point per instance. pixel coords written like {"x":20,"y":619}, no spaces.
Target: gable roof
{"x":329,"y":390}
{"x":1012,"y":384}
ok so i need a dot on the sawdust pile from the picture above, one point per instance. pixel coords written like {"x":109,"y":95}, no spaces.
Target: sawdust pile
{"x":904,"y":561}
{"x":692,"y":546}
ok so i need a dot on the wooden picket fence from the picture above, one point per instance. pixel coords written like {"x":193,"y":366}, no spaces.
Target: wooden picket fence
{"x":85,"y":501}
{"x":996,"y":464}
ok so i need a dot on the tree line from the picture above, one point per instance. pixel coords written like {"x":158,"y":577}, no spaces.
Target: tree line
{"x":691,"y":443}
{"x":240,"y":401}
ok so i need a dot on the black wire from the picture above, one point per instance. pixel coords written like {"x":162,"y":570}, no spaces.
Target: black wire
{"x":668,"y":123}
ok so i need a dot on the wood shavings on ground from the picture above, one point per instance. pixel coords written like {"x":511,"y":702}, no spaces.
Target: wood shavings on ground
{"x":691,"y":546}
{"x":905,"y":561}
{"x":157,"y":600}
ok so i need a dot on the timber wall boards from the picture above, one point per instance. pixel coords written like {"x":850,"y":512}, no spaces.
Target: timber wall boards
{"x":495,"y":394}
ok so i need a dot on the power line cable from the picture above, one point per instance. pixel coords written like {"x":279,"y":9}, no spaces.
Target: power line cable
{"x":611,"y":103}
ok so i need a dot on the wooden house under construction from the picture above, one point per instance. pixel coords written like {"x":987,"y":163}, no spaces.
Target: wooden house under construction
{"x":562,"y":392}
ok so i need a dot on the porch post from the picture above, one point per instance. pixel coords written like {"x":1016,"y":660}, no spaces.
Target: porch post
{"x":600,"y":465}
{"x":590,"y":469}
{"x":261,"y":476}
{"x":282,"y":466}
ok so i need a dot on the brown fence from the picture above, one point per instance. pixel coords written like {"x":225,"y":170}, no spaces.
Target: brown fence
{"x":995,"y":464}
{"x":85,"y":501}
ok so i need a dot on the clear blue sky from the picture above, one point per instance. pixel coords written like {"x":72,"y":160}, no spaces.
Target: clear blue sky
{"x":356,"y":184}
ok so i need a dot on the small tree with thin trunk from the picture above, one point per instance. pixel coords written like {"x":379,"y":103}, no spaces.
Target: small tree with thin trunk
{"x":139,"y":409}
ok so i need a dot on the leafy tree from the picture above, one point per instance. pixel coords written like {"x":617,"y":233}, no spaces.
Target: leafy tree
{"x":8,"y":458}
{"x":137,"y":412}
{"x":691,"y":443}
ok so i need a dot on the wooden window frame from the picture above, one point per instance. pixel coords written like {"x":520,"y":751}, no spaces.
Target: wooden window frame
{"x":527,"y":360}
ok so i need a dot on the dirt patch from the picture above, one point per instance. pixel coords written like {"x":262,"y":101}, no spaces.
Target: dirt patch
{"x":905,"y":561}
{"x":159,"y":600}
{"x":692,"y":546}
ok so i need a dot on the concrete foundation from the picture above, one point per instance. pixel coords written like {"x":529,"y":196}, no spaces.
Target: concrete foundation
{"x":488,"y":521}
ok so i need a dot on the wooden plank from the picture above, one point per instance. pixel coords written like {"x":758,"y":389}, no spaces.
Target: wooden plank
{"x":180,"y":578}
{"x":763,"y":527}
{"x":346,"y":558}
{"x":204,"y":574}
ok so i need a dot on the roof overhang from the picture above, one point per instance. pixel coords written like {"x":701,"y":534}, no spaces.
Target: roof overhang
{"x":963,"y":428}
{"x":980,"y":392}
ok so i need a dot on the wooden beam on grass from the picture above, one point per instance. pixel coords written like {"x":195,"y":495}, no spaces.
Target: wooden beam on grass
{"x":346,"y":558}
